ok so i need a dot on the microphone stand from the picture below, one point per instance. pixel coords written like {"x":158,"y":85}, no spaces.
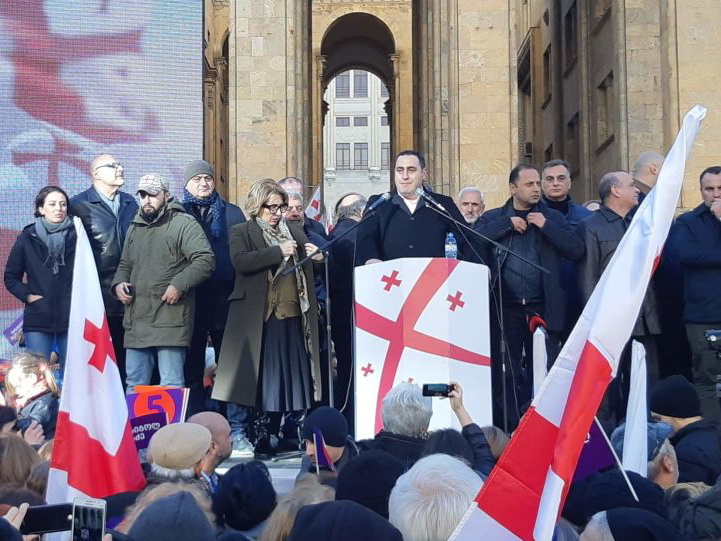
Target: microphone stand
{"x":500,"y":248}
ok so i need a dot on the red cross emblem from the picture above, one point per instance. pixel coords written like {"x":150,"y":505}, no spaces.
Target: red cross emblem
{"x":367,"y":370}
{"x":456,"y":301}
{"x":64,"y":152}
{"x":100,"y":338}
{"x":391,"y":281}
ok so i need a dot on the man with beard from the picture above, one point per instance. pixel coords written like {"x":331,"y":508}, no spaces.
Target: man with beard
{"x":166,"y":255}
{"x":106,"y":213}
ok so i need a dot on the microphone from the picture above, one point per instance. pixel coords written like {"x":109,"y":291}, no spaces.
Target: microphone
{"x":420,"y":192}
{"x":378,"y":202}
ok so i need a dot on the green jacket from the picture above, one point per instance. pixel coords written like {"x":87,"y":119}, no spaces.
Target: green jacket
{"x":172,"y":249}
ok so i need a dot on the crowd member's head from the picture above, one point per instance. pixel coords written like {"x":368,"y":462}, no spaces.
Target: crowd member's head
{"x":177,"y":451}
{"x":646,"y":168}
{"x":296,"y":211}
{"x":107,"y":174}
{"x":430,"y":499}
{"x":618,"y":192}
{"x":292,"y":184}
{"x":334,"y":428}
{"x":631,"y":524}
{"x":46,"y":450}
{"x":307,"y":491}
{"x":341,"y":521}
{"x":30,"y":376}
{"x":471,"y":204}
{"x":200,"y":179}
{"x":171,"y":518}
{"x":497,"y":440}
{"x":405,"y":411}
{"x":662,"y":462}
{"x":51,"y":203}
{"x":564,"y":531}
{"x":38,"y":480}
{"x":711,"y":185}
{"x":609,"y":490}
{"x":266,"y":201}
{"x":450,"y":442}
{"x":525,"y":184}
{"x":674,"y":401}
{"x":14,"y":497}
{"x":350,"y":206}
{"x":556,"y":180}
{"x":154,"y":194}
{"x":700,"y":517}
{"x":245,"y":496}
{"x":410,"y":173}
{"x":368,"y":480}
{"x":679,"y":497}
{"x":157,"y":492}
{"x":221,"y":443}
{"x":17,"y":460}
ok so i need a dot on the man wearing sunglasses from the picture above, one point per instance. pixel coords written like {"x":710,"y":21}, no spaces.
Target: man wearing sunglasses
{"x":106,"y":213}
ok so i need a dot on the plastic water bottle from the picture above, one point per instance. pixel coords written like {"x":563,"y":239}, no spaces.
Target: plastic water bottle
{"x":451,"y":246}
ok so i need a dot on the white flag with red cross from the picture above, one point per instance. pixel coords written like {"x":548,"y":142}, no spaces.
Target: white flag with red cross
{"x":314,"y":210}
{"x":421,"y":320}
{"x":94,"y":453}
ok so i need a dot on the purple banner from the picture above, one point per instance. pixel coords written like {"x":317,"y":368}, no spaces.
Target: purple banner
{"x":12,"y":332}
{"x":145,"y":426}
{"x":170,"y":401}
{"x":595,"y":455}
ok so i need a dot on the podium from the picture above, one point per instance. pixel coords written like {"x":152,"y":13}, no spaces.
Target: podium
{"x":421,"y":320}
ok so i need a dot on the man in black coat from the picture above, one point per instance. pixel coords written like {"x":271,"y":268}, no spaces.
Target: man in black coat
{"x":698,"y":248}
{"x":106,"y":213}
{"x":529,"y":228}
{"x":406,"y":226}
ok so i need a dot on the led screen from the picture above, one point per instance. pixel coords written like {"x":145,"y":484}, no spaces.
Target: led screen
{"x":79,"y":78}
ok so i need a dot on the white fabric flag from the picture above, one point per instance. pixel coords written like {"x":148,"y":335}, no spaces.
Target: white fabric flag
{"x":635,"y":437}
{"x":540,"y":359}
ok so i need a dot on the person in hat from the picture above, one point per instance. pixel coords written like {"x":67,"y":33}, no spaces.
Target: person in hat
{"x":341,"y":521}
{"x":662,"y":462}
{"x":173,"y":518}
{"x":216,"y":216}
{"x":177,"y":450}
{"x":333,"y":427}
{"x":166,"y":255}
{"x":674,"y":400}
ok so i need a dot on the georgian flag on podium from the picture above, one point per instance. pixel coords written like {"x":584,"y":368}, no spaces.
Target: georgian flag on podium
{"x":421,"y":320}
{"x":94,"y":453}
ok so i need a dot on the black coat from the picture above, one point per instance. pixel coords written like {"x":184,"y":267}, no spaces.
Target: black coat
{"x":44,"y":410}
{"x":407,"y":449}
{"x":106,"y":233}
{"x":602,"y":233}
{"x":26,"y":273}
{"x":697,"y":237}
{"x":698,"y":454}
{"x":393,"y":232}
{"x":557,"y":241}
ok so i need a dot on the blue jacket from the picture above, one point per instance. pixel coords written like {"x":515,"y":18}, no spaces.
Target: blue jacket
{"x":697,"y":236}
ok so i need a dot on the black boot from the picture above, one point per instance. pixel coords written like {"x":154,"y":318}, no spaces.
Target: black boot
{"x":266,"y":444}
{"x":291,"y":440}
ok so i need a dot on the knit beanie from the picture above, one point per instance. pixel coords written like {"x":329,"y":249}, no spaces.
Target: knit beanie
{"x":245,"y":496}
{"x":609,"y":490}
{"x":675,"y":396}
{"x":331,"y":423}
{"x":198,"y":167}
{"x":368,"y":479}
{"x":174,"y":518}
{"x":341,"y":521}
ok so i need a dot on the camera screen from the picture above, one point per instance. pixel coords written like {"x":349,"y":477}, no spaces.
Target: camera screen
{"x":88,"y":523}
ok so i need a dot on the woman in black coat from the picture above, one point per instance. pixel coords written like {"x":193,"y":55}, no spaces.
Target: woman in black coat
{"x":269,"y":358}
{"x":39,"y":272}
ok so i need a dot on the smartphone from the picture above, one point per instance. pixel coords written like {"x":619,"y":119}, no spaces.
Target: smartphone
{"x":42,"y":519}
{"x":130,"y":290}
{"x":436,"y":389}
{"x":88,"y":519}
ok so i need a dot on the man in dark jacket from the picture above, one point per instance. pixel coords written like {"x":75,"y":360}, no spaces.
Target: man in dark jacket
{"x":528,"y":227}
{"x":106,"y":213}
{"x":295,"y":185}
{"x":698,"y":248}
{"x":675,"y":402}
{"x":203,"y":202}
{"x":602,"y":233}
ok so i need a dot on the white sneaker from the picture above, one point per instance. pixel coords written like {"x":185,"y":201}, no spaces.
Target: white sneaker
{"x":242,"y":448}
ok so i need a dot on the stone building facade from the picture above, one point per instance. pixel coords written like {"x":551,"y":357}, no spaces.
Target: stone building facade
{"x":476,"y":85}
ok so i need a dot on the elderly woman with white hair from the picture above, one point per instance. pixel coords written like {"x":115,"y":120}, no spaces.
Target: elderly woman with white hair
{"x":406,"y":414}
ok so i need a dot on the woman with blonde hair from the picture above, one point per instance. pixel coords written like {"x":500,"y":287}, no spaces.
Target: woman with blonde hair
{"x":17,"y":460}
{"x":269,"y":359}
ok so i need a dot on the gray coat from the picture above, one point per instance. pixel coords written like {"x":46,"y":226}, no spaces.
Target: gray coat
{"x":239,"y":363}
{"x":172,"y":249}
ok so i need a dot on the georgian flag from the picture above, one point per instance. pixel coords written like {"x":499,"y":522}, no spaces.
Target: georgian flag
{"x":314,"y":210}
{"x":94,"y":454}
{"x":523,"y":496}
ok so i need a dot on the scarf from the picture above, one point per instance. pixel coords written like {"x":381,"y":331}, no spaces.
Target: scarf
{"x":53,"y":236}
{"x":215,"y":208}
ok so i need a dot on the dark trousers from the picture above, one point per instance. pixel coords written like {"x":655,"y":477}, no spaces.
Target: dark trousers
{"x":117,"y":335}
{"x":343,"y":391}
{"x":194,"y":367}
{"x":706,"y":369}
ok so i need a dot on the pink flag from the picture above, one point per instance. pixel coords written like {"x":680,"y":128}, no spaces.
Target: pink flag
{"x":94,"y":453}
{"x":525,"y":492}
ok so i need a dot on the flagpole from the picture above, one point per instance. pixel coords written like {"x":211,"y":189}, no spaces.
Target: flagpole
{"x":618,"y":462}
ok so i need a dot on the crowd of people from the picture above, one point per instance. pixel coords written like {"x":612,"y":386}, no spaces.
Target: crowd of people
{"x":176,"y":274}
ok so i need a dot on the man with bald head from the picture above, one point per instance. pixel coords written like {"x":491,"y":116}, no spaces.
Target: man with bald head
{"x":220,"y":446}
{"x":645,"y":171}
{"x":602,"y":233}
{"x":106,"y":213}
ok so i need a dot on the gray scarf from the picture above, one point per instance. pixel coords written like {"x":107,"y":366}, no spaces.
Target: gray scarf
{"x":53,"y":236}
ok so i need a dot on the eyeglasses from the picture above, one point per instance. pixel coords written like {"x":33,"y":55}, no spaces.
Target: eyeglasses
{"x":112,"y":165}
{"x":275,"y":208}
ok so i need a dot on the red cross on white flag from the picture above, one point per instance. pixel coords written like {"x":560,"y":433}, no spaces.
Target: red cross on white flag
{"x":314,"y":210}
{"x":422,"y":320}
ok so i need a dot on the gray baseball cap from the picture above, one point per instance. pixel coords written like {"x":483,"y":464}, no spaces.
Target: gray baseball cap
{"x":152,"y":184}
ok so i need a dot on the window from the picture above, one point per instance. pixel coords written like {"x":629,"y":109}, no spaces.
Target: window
{"x":604,"y":112}
{"x":360,"y":120}
{"x":360,"y":84}
{"x":342,"y":121}
{"x":384,"y":120}
{"x":360,"y":155}
{"x":570,"y":37}
{"x":342,"y":85}
{"x":342,"y":155}
{"x":384,"y":91}
{"x":547,"y":76}
{"x":385,"y":156}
